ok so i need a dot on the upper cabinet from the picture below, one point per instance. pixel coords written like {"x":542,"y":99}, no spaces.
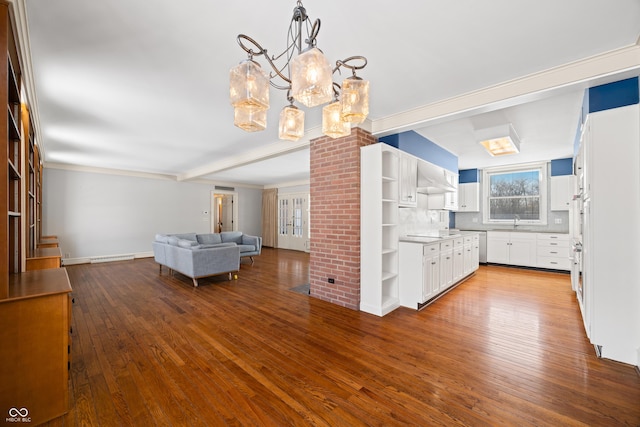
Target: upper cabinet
{"x":469,"y":197}
{"x":561,"y":188}
{"x":408,"y":182}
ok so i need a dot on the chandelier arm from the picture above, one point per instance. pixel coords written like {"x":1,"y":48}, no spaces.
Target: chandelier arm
{"x":251,"y":52}
{"x":346,"y":63}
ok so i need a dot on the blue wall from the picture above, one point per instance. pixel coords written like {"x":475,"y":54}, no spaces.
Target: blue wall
{"x":421,"y":147}
{"x":562,"y":167}
{"x":468,"y":175}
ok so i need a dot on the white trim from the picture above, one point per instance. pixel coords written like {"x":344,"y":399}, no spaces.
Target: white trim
{"x":542,"y":166}
{"x":87,"y":260}
{"x":236,"y":204}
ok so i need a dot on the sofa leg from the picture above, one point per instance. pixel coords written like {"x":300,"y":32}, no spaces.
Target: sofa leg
{"x":195,"y":282}
{"x":160,"y":272}
{"x":229,"y":275}
{"x":251,"y":258}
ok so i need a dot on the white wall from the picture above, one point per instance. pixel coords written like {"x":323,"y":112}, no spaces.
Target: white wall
{"x":96,"y":214}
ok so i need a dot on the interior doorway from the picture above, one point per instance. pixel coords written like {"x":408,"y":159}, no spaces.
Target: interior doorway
{"x":293,"y":221}
{"x":224,"y":211}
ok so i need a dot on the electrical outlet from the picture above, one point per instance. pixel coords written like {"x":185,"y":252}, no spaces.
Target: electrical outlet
{"x":331,"y":280}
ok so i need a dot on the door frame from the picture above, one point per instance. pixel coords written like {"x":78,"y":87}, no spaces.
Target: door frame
{"x":212,"y":206}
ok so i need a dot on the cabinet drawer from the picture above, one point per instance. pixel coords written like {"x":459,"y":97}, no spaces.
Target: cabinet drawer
{"x":468,"y":239}
{"x":446,"y":245}
{"x":551,"y":237}
{"x":557,"y":263}
{"x":430,"y":249}
{"x":562,"y":252}
{"x":459,"y":241}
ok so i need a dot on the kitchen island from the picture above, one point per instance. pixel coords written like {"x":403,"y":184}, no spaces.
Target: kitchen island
{"x":432,"y":264}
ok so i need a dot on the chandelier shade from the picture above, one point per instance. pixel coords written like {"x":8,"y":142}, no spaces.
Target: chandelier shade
{"x":249,"y":87}
{"x":303,"y":71}
{"x":355,"y":100}
{"x":311,"y":81}
{"x":250,"y":120}
{"x":332,"y":124}
{"x":291,"y":126}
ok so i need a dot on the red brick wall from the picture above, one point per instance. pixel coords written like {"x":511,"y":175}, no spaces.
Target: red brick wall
{"x":335,"y":217}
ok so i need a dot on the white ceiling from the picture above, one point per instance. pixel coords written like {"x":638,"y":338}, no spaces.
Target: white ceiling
{"x":143,"y":86}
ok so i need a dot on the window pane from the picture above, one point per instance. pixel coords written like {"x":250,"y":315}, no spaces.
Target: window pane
{"x":511,"y":184}
{"x":527,"y":208}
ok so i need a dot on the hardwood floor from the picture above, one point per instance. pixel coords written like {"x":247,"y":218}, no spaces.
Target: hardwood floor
{"x":507,"y":347}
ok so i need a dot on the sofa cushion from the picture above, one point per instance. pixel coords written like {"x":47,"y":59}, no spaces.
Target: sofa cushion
{"x":173,"y":240}
{"x":231,"y":236}
{"x":162,"y":238}
{"x":209,"y":239}
{"x":187,"y":236}
{"x":189,"y":244}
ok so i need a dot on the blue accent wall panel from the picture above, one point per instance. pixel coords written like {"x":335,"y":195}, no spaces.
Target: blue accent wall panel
{"x":614,"y":95}
{"x":419,"y":146}
{"x":562,"y":167}
{"x":468,"y":175}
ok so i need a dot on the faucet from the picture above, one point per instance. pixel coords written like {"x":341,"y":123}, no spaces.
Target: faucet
{"x":516,"y":218}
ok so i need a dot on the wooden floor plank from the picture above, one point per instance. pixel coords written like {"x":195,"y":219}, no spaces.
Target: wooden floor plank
{"x":506,"y":347}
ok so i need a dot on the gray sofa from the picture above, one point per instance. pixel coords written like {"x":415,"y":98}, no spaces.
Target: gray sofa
{"x":203,"y":255}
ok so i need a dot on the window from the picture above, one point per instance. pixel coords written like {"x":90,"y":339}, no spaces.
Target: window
{"x":515,"y":195}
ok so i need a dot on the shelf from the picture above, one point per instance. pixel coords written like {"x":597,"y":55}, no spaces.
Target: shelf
{"x":389,"y":251}
{"x":14,"y":214}
{"x":389,"y":225}
{"x":389,"y":201}
{"x":13,"y":171}
{"x":14,"y":132}
{"x":14,"y":92}
{"x":389,"y":179}
{"x":386,"y":275}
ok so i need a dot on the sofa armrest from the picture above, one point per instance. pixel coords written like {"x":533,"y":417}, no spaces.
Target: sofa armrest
{"x":215,"y":260}
{"x":252,"y":240}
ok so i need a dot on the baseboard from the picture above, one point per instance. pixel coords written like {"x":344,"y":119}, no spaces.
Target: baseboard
{"x":106,"y":258}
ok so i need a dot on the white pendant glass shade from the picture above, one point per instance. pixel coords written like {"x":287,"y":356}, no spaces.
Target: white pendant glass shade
{"x":311,"y":81}
{"x":248,"y":87}
{"x":291,"y":123}
{"x":332,"y":123}
{"x":250,"y":120}
{"x":355,"y":100}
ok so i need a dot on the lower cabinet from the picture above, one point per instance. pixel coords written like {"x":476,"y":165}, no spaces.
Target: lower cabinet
{"x":428,"y":269}
{"x":527,"y":249}
{"x":34,"y":357}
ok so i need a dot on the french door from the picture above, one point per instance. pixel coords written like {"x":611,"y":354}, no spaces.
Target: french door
{"x":293,"y":221}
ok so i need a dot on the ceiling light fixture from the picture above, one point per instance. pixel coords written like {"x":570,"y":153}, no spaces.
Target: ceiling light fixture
{"x":306,"y":75}
{"x":499,"y":140}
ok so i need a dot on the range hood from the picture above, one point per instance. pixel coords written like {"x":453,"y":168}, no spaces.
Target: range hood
{"x":432,"y":179}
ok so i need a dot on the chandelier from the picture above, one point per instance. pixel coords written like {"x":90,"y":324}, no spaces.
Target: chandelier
{"x":307,"y":77}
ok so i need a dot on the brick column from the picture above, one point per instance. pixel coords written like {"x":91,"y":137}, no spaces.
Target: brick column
{"x":335,"y":217}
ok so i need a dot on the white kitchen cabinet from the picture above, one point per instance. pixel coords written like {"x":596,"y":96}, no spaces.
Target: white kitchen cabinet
{"x":419,"y":268}
{"x":469,"y":197}
{"x":408,"y":180}
{"x":512,"y":248}
{"x":553,"y":251}
{"x":611,"y":232}
{"x":561,"y":188}
{"x":467,"y":256}
{"x":446,"y":267}
{"x":446,"y":200}
{"x":475,"y":254}
{"x":458,"y":260}
{"x":379,"y":282}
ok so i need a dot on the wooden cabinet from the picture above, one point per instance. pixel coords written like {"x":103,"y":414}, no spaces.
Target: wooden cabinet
{"x":379,"y":229}
{"x":469,"y":197}
{"x":561,"y":189}
{"x":513,"y":248}
{"x":408,"y":180}
{"x":34,"y":357}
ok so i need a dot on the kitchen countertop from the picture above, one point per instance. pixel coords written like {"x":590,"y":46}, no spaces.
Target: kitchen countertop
{"x":426,"y":238}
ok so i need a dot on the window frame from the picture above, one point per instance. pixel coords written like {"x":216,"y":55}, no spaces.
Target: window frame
{"x":542,"y":169}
